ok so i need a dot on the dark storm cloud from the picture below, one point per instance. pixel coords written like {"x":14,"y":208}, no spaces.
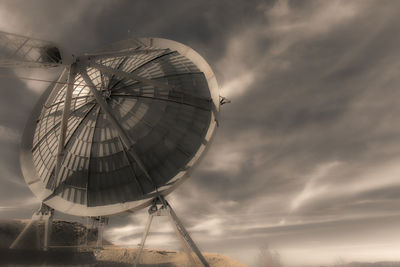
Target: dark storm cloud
{"x":314,"y":112}
{"x":310,"y":143}
{"x":329,"y":99}
{"x":16,"y":102}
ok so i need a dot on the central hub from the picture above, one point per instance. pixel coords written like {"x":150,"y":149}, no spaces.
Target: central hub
{"x":106,"y":93}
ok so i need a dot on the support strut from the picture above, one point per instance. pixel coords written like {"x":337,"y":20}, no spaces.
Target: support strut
{"x":161,"y":207}
{"x":45,"y":213}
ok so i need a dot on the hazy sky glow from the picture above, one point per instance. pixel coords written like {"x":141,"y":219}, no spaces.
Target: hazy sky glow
{"x":307,"y":155}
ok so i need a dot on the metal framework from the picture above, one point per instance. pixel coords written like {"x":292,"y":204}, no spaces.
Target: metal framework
{"x":22,"y":51}
{"x":45,"y":213}
{"x":161,"y":207}
{"x":119,"y":130}
{"x":120,"y":127}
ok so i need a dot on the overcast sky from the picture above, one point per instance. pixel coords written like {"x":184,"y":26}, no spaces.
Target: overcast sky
{"x":307,"y":155}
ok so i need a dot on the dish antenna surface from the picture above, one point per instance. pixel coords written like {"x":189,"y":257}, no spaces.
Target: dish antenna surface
{"x":120,"y":129}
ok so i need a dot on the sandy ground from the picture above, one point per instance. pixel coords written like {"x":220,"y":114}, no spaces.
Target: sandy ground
{"x":73,"y":234}
{"x":161,"y":258}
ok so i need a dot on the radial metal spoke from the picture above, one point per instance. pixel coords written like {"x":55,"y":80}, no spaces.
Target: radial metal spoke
{"x":57,"y":87}
{"x":131,"y":167}
{"x":91,"y":139}
{"x":153,"y":60}
{"x":130,"y":76}
{"x":112,"y":118}
{"x":104,"y":106}
{"x":58,"y":124}
{"x":133,"y":114}
{"x":130,"y":52}
{"x":178,"y":100}
{"x":111,"y":78}
{"x":80,"y":124}
{"x":58,"y":187}
{"x":167,"y":91}
{"x":60,"y":102}
{"x":174,"y":95}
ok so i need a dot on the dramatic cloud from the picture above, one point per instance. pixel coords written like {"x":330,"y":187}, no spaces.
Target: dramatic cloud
{"x":306,"y":158}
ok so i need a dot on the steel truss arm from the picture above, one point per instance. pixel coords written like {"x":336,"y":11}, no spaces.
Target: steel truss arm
{"x":22,"y":51}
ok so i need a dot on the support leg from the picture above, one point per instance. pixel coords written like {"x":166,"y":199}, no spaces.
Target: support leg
{"x":38,"y":236}
{"x":184,"y":245}
{"x":100,"y":229}
{"x":21,"y":235}
{"x":87,"y":232}
{"x":186,"y":235}
{"x":47,"y":232}
{"x":47,"y":215}
{"x":182,"y":234}
{"x":44,"y":212}
{"x":145,"y":233}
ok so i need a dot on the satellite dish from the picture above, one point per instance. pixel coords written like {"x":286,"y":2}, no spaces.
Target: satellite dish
{"x":142,"y":113}
{"x":121,"y":127}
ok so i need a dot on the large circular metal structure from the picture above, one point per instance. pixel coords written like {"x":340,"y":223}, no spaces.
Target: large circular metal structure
{"x":133,"y":119}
